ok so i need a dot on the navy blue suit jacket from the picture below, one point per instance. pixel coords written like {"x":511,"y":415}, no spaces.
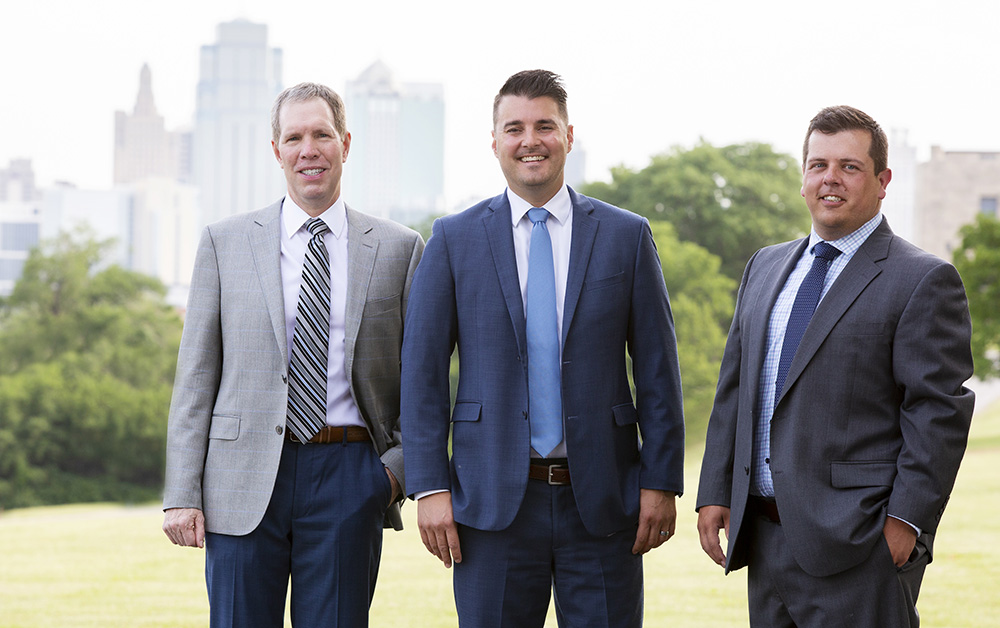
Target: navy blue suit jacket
{"x":466,"y":293}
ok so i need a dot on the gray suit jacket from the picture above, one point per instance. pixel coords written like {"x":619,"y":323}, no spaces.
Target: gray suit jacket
{"x":874,"y":416}
{"x":227,"y":415}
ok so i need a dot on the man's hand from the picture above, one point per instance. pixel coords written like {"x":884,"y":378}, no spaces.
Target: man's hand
{"x":437,"y":527}
{"x":657,"y":513}
{"x":711,"y":519}
{"x":901,"y":539}
{"x":185,"y":526}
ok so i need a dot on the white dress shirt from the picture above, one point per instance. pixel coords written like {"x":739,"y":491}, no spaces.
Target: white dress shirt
{"x":340,"y":407}
{"x":560,"y":228}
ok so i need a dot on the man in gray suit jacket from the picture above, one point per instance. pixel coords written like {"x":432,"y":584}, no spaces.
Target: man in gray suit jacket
{"x":830,"y":484}
{"x":269,"y":501}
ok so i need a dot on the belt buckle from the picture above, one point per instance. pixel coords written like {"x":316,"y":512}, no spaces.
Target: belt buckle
{"x":549,"y":479}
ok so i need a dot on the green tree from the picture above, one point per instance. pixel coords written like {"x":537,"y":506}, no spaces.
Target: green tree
{"x":978,"y":261}
{"x":88,"y":355}
{"x":701,"y":299}
{"x":730,"y":200}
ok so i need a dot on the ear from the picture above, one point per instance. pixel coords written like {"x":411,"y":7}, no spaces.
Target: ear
{"x":569,"y":138}
{"x":347,"y":146}
{"x":493,"y":134}
{"x":883,"y":178}
{"x":277,"y":154}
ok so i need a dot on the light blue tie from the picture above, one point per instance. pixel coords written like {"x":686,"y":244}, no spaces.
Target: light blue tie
{"x":544,"y":387}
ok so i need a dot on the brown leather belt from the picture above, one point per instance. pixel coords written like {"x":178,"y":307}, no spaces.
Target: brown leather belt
{"x":764,"y":507}
{"x":330,"y":434}
{"x":555,"y":473}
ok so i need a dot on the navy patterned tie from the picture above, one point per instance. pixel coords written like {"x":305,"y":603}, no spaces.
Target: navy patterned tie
{"x":806,"y":300}
{"x":311,"y":340}
{"x":544,"y":388}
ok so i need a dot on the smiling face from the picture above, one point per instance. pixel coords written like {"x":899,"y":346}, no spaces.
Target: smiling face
{"x":312,"y":154}
{"x":839,"y":182}
{"x":531,"y":140}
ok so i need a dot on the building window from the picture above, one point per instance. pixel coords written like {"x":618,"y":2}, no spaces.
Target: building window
{"x":20,"y":236}
{"x":988,"y":206}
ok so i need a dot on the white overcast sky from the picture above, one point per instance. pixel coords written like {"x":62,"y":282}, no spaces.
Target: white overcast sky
{"x":642,"y":75}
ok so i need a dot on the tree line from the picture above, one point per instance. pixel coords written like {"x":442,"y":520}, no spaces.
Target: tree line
{"x":88,"y":350}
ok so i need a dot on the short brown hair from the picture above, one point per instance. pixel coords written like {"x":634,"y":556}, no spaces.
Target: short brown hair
{"x":308,"y":91}
{"x":844,"y":118}
{"x":534,"y":84}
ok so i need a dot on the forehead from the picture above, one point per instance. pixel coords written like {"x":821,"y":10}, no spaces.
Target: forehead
{"x":852,"y":145}
{"x":526,"y":110}
{"x":310,"y":112}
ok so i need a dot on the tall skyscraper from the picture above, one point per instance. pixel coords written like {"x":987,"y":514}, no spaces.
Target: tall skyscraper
{"x":234,"y":168}
{"x":396,"y":165}
{"x":143,"y":146}
{"x":20,"y":220}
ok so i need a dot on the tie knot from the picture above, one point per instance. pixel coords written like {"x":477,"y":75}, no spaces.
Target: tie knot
{"x":826,"y":251}
{"x":538,"y":214}
{"x":316,"y":226}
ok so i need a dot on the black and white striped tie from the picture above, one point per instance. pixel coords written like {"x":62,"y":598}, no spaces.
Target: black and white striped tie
{"x":311,"y":340}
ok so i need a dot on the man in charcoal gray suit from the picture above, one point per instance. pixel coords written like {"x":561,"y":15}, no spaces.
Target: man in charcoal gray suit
{"x":838,"y":428}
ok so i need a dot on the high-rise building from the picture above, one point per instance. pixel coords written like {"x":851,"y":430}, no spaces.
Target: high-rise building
{"x":143,"y":146}
{"x":899,"y":205}
{"x":234,"y":168}
{"x":396,"y":164}
{"x":20,"y":220}
{"x":952,"y":188}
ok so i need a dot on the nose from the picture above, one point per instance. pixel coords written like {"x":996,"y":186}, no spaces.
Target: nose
{"x":309,"y":149}
{"x":831,"y":176}
{"x":529,"y":138}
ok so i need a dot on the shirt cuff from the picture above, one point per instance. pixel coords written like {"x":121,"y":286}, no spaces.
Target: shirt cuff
{"x":915,"y":528}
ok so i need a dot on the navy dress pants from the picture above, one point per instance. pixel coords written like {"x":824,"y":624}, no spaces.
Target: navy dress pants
{"x":322,"y":528}
{"x":506,"y":578}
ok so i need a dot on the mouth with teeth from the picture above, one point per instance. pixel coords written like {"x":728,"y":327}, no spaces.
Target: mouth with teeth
{"x":532,"y":158}
{"x":311,"y":172}
{"x":830,"y":198}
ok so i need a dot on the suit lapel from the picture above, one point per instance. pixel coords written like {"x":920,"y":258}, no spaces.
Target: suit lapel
{"x":362,"y":246}
{"x":761,"y":302}
{"x":582,"y":244}
{"x":265,"y":245}
{"x":501,"y":239}
{"x":859,"y":272}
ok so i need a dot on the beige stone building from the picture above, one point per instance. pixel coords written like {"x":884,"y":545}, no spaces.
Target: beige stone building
{"x":952,"y":188}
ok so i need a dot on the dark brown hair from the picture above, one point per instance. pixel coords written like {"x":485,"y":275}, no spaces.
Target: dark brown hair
{"x":843,"y":118}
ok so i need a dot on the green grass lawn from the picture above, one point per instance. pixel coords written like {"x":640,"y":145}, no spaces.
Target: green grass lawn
{"x":109,"y":565}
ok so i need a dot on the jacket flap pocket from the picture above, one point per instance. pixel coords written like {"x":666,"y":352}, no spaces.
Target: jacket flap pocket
{"x":858,"y":474}
{"x":224,"y":427}
{"x":466,"y":411}
{"x":605,"y":281}
{"x":625,"y":414}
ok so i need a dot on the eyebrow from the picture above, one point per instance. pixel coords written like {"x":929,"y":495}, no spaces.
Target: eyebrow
{"x":844,"y":160}
{"x":536,"y":122}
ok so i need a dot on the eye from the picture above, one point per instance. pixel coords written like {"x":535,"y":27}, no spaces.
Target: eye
{"x":850,"y":167}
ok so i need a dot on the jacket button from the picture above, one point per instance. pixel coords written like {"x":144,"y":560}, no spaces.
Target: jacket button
{"x":278,"y":430}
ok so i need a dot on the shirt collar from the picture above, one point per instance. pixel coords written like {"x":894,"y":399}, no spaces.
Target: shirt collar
{"x":849,"y":244}
{"x":295,"y":218}
{"x":559,"y":206}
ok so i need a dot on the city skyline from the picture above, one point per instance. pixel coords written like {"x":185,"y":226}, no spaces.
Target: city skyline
{"x":641,"y":79}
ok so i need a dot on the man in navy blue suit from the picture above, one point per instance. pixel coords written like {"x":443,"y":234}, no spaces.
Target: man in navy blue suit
{"x":547,"y":487}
